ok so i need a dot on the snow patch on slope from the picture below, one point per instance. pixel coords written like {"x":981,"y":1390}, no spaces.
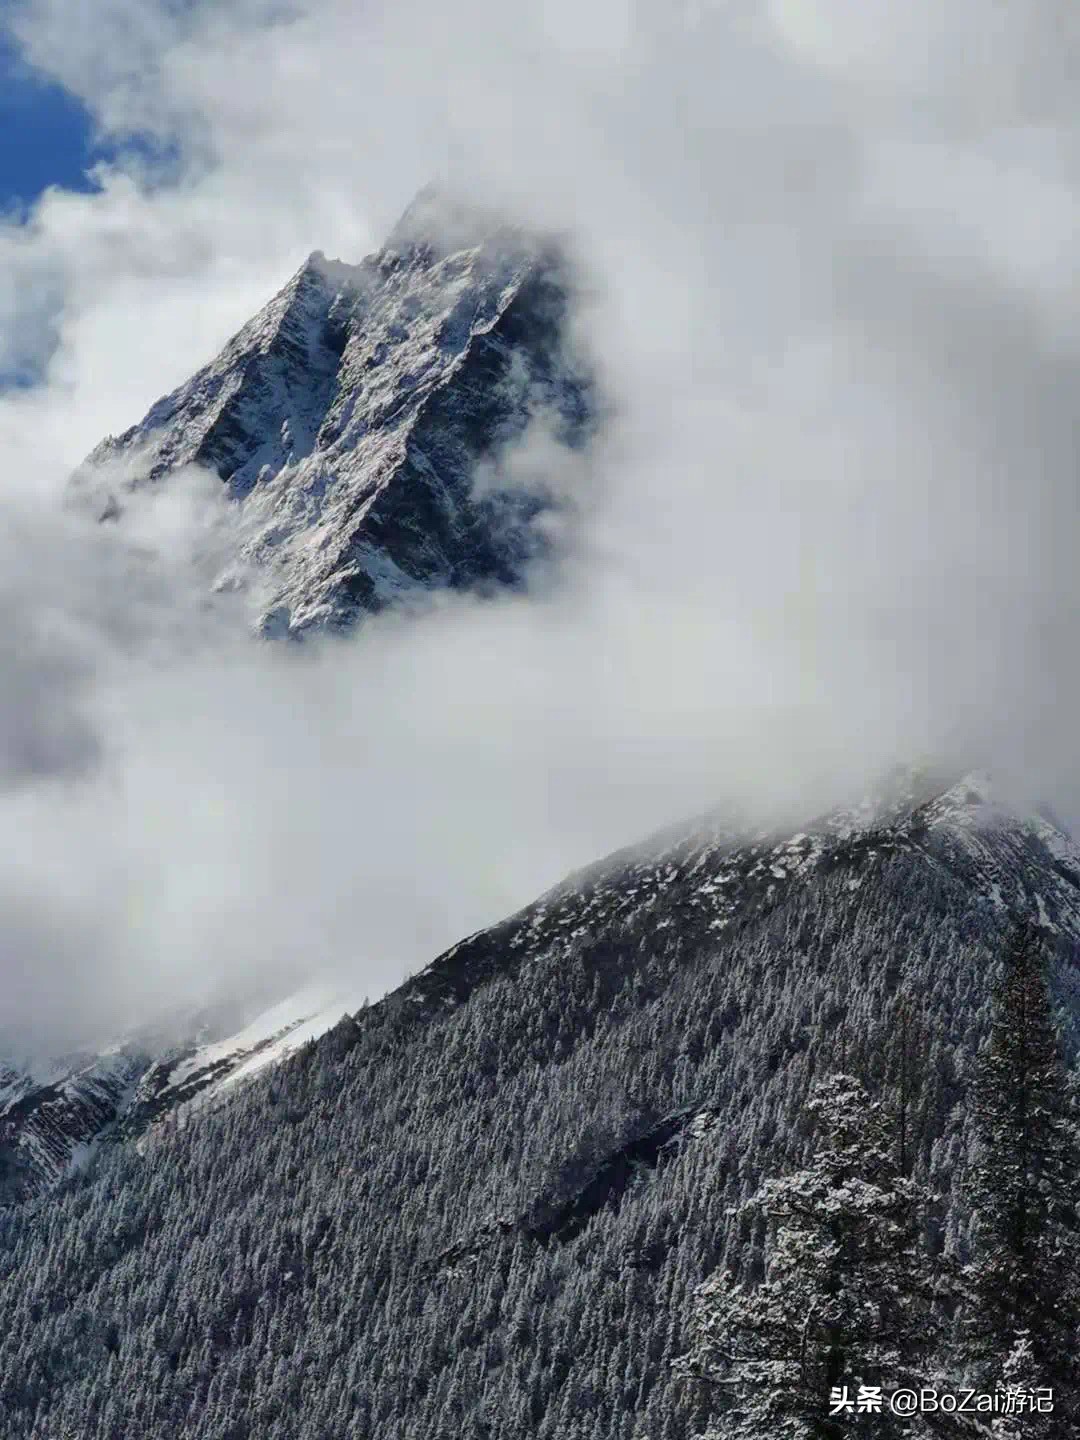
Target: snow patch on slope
{"x":202,"y":1075}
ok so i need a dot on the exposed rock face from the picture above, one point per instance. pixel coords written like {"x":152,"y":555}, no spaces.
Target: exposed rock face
{"x":348,"y":418}
{"x":47,"y":1126}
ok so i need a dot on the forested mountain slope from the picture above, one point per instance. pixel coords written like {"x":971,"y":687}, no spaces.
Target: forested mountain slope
{"x":477,"y":1208}
{"x":54,"y":1114}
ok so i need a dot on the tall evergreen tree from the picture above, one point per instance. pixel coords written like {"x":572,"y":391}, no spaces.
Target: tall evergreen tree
{"x":1024,"y":1281}
{"x":910,"y":1042}
{"x":847,"y":1298}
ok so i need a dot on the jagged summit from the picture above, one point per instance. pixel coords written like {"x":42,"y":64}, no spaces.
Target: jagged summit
{"x":348,"y":416}
{"x":442,"y":223}
{"x":337,"y":273}
{"x":257,"y":404}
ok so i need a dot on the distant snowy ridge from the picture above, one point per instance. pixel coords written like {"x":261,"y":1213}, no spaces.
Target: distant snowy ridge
{"x":200,"y":1075}
{"x":53,"y":1119}
{"x":348,"y":418}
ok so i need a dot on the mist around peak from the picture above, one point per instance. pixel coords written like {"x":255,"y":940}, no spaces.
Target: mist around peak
{"x":829,"y":519}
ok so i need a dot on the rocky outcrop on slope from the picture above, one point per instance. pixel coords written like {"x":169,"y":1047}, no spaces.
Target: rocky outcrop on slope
{"x":48,"y":1126}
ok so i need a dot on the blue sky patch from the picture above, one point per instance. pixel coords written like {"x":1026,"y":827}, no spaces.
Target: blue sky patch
{"x":46,"y":135}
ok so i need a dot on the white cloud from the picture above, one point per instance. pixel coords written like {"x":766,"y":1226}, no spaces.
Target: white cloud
{"x":832,"y":520}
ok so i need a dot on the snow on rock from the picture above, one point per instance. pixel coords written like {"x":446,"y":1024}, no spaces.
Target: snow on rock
{"x":48,"y":1127}
{"x":348,"y":418}
{"x":707,"y":876}
{"x":201,"y":1074}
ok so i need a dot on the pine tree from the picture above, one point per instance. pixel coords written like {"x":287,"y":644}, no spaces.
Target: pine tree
{"x":1024,"y":1281}
{"x":910,"y":1042}
{"x":847,"y":1298}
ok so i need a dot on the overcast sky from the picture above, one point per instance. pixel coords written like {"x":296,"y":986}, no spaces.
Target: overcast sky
{"x":832,"y":254}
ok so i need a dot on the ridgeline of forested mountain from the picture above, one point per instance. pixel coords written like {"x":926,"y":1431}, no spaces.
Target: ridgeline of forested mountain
{"x":478,"y":1209}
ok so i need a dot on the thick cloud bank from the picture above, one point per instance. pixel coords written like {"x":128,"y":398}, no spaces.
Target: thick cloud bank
{"x":832,"y":520}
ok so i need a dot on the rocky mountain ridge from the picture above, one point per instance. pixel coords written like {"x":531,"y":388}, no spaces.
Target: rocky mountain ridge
{"x":348,"y":419}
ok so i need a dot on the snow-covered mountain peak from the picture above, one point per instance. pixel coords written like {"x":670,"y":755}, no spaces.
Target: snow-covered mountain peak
{"x":439,"y":222}
{"x":348,"y":417}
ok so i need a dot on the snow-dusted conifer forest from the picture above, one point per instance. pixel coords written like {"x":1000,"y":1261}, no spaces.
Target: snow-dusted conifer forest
{"x":485,"y":1205}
